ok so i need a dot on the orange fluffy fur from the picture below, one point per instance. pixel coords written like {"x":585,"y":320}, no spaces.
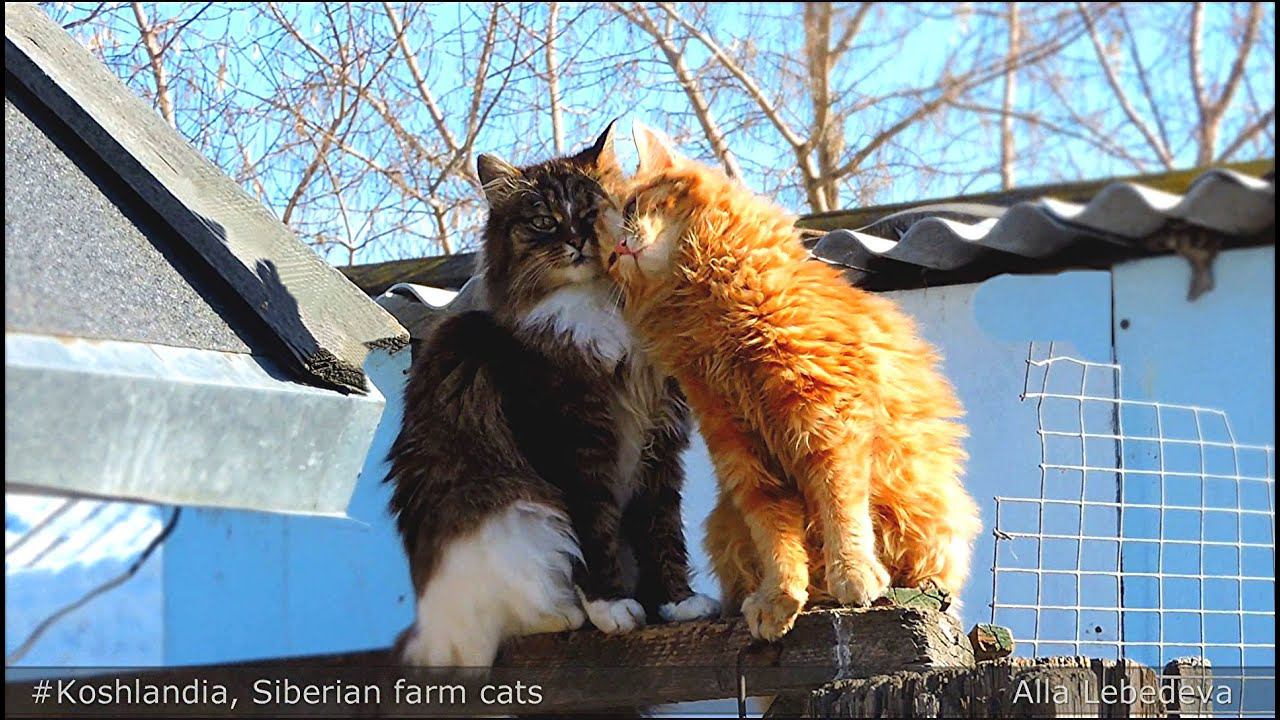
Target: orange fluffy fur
{"x":833,"y":433}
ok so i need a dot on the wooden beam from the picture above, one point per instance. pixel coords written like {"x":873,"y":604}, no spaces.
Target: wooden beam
{"x":443,"y":271}
{"x":699,"y":661}
{"x":1190,"y":686}
{"x":586,"y":670}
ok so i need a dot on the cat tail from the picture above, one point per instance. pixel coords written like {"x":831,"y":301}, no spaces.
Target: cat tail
{"x":511,"y":575}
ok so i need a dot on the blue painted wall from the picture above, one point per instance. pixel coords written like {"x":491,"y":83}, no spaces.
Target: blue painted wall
{"x":226,"y":585}
{"x":242,"y":585}
{"x":1216,"y":352}
{"x":232,"y":585}
{"x":983,"y":332}
{"x":90,"y":543}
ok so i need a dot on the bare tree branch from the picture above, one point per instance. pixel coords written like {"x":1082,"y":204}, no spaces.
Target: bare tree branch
{"x":424,"y":92}
{"x":358,"y":122}
{"x":155,"y":54}
{"x":1248,"y":133}
{"x":1153,"y":103}
{"x":697,"y":100}
{"x":1121,"y":96}
{"x":553,"y":80}
{"x":1006,"y":115}
{"x":767,"y":106}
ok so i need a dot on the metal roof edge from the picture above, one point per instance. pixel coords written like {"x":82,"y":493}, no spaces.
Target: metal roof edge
{"x":179,"y":426}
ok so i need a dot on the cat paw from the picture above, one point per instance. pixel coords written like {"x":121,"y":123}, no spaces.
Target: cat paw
{"x":694,"y":607}
{"x":615,"y":616}
{"x":565,"y":618}
{"x":857,"y":583}
{"x":770,"y":615}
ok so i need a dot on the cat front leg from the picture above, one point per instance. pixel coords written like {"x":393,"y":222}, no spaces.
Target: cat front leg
{"x":837,"y":483}
{"x":655,"y":531}
{"x":733,"y":556}
{"x":599,"y":576}
{"x":776,"y":524}
{"x":773,"y":515}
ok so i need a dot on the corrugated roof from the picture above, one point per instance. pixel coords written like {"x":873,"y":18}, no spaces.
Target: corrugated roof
{"x":968,"y":239}
{"x":419,"y":308}
{"x":950,"y":237}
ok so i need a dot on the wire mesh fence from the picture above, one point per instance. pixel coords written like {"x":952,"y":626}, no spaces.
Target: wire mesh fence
{"x":1150,"y":535}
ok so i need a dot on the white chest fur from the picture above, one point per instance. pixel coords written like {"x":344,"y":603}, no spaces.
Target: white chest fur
{"x":586,"y":314}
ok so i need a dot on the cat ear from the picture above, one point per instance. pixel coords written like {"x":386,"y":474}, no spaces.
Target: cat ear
{"x":496,"y":175}
{"x":653,"y":148}
{"x":600,"y":155}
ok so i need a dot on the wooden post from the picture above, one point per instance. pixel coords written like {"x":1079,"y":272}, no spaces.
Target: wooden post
{"x":1190,"y":685}
{"x":1008,"y":687}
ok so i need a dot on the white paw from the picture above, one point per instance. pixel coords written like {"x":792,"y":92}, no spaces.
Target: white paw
{"x":428,"y":650}
{"x":573,"y":617}
{"x":694,"y":607}
{"x":615,"y":616}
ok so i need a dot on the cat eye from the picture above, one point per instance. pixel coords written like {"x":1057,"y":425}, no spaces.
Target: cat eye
{"x":543,"y":223}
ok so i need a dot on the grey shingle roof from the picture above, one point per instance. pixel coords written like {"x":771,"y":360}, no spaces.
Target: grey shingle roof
{"x":79,"y":261}
{"x":167,"y":339}
{"x":314,"y":322}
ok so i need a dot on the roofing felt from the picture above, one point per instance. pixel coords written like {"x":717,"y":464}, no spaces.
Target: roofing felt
{"x":322,"y":325}
{"x":79,"y":260}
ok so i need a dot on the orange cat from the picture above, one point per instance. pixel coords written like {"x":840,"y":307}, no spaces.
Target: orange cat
{"x":830,"y":426}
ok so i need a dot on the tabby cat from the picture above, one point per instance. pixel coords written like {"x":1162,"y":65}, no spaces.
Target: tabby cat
{"x":537,"y":474}
{"x":833,"y":434}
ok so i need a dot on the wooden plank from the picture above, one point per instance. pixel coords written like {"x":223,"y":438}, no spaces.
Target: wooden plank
{"x":588,"y":670}
{"x":325,"y":323}
{"x":787,"y":705}
{"x":1131,"y":690}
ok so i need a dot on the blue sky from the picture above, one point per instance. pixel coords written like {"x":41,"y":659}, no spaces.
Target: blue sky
{"x":931,"y":160}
